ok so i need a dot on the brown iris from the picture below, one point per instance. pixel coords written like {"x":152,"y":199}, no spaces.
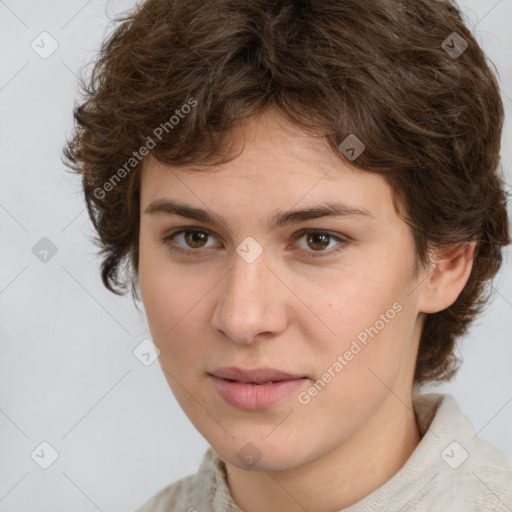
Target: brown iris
{"x":318,"y":239}
{"x":196,"y":237}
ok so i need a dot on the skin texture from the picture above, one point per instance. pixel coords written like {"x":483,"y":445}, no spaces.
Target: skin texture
{"x":294,"y":312}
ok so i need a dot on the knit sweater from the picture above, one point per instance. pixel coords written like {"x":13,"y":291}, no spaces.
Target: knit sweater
{"x":451,"y":470}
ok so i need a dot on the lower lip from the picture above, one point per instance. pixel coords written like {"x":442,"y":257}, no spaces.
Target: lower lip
{"x":255,"y":396}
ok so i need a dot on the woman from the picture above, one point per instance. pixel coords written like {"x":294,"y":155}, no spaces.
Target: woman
{"x":307,"y":196}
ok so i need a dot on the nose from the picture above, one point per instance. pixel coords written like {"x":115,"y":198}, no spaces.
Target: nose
{"x":252,"y":302}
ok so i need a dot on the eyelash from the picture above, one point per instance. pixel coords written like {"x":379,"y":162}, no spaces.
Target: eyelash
{"x":168,"y":240}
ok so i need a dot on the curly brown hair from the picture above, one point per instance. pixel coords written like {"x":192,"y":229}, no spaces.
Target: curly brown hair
{"x":392,"y":72}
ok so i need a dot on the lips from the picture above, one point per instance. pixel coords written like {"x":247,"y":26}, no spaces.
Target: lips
{"x":256,"y":389}
{"x":256,"y":376}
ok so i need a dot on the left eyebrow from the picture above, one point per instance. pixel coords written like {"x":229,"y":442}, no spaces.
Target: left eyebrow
{"x":278,"y":220}
{"x":285,"y":218}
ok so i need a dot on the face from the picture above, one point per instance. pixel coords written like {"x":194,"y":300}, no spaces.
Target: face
{"x":330,"y":299}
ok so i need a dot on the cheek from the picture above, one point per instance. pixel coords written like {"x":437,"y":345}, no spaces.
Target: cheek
{"x":349,"y":303}
{"x":161,"y":290}
{"x":370,"y":327}
{"x":168,"y":303}
{"x":159,"y":284}
{"x":174,"y":304}
{"x":355,"y":372}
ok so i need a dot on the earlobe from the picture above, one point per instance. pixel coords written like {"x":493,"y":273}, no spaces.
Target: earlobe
{"x":447,"y":277}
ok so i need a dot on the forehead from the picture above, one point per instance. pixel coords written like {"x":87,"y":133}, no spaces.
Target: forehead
{"x":278,"y":166}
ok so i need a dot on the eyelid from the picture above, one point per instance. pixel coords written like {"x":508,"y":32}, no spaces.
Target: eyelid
{"x":341,"y":239}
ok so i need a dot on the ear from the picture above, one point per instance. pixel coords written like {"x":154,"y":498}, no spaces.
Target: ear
{"x":447,"y":277}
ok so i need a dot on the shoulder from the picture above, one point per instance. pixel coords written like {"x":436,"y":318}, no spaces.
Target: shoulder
{"x":474,"y":487}
{"x":467,"y":472}
{"x":207,"y":489}
{"x":176,"y":496}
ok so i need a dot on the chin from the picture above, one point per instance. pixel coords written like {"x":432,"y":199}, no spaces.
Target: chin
{"x":262,"y":456}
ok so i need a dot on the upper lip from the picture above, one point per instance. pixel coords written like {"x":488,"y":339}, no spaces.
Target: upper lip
{"x":258,"y":375}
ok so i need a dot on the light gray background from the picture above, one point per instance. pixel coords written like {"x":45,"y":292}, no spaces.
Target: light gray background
{"x":67,"y":369}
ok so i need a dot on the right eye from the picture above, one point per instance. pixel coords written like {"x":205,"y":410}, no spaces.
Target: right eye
{"x":193,"y":239}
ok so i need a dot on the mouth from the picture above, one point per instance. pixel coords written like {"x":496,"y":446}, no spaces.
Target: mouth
{"x":253,"y":383}
{"x":255,"y":389}
{"x":255,"y":376}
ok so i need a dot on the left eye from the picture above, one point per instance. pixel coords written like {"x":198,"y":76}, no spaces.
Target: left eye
{"x":197,"y":238}
{"x":319,"y":240}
